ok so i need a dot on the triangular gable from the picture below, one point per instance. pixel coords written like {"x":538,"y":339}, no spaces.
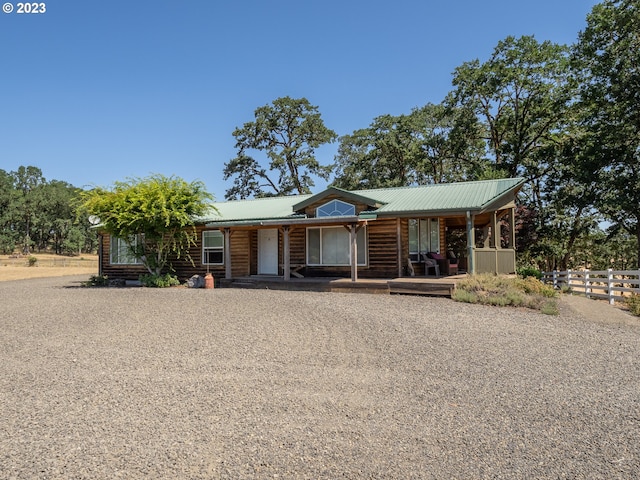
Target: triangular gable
{"x":335,"y":192}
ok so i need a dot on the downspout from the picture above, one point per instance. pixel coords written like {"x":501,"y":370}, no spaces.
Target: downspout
{"x":470,"y":244}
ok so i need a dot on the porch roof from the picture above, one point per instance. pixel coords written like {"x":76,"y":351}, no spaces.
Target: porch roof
{"x":426,"y":200}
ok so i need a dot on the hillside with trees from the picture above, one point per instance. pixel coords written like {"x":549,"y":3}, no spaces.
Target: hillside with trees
{"x":37,"y":215}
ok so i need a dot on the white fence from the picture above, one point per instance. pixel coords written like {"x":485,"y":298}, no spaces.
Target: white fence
{"x":607,"y":284}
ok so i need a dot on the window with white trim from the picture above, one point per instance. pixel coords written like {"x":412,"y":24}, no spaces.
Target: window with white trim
{"x":424,"y":237}
{"x":335,"y":208}
{"x":121,"y":250}
{"x":331,"y":246}
{"x":212,"y":247}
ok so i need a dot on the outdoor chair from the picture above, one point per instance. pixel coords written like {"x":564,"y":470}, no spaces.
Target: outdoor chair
{"x":448,"y":265}
{"x":429,"y":265}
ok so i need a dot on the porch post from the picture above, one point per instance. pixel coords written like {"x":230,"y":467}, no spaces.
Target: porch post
{"x":286,"y":253}
{"x":512,"y":229}
{"x":399,"y":245}
{"x":354,"y":252}
{"x":495,"y":233}
{"x":227,"y":253}
{"x":497,"y":241}
{"x":471,"y":241}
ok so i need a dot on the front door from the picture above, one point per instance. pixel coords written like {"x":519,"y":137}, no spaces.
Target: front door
{"x":268,"y":251}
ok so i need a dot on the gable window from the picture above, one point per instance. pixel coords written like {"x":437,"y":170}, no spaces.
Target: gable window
{"x":424,"y":237}
{"x":332,"y":246}
{"x":212,"y":247}
{"x":121,"y":250}
{"x":335,"y":208}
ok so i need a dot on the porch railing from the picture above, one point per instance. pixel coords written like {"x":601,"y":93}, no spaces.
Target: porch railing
{"x":494,"y":260}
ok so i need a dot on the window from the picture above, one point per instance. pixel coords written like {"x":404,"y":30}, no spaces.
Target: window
{"x":331,"y":246}
{"x":424,"y":236}
{"x":212,"y":247}
{"x":121,"y":250}
{"x":335,"y":208}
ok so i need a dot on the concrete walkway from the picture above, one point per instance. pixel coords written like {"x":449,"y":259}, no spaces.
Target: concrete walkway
{"x":598,"y":310}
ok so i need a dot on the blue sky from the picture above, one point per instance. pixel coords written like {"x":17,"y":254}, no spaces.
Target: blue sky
{"x":99,"y":91}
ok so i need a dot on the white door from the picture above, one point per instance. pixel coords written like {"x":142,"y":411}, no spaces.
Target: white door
{"x":268,"y":251}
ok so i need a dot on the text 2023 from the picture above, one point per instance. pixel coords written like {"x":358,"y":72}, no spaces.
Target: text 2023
{"x":31,"y":7}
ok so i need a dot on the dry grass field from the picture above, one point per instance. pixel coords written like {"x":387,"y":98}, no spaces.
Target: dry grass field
{"x":47,"y":265}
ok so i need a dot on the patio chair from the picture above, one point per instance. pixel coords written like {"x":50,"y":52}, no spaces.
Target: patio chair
{"x":448,"y":265}
{"x":430,"y":264}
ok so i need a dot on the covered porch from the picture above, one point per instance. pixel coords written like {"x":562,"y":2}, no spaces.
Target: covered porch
{"x":489,"y":241}
{"x":442,"y":286}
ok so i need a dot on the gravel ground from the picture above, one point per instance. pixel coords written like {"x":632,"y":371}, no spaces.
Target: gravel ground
{"x":177,"y":383}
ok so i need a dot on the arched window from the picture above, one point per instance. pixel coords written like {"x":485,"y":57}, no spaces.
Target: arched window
{"x":335,"y":208}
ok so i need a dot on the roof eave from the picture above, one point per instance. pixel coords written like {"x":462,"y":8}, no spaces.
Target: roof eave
{"x":275,"y":222}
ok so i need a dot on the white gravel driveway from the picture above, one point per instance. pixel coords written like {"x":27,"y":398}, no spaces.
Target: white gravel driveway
{"x":177,"y":383}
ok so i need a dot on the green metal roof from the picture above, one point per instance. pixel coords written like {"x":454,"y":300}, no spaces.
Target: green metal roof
{"x":426,"y":200}
{"x":254,"y":209}
{"x":443,"y":197}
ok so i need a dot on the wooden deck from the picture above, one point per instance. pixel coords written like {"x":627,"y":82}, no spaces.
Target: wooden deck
{"x":440,"y":286}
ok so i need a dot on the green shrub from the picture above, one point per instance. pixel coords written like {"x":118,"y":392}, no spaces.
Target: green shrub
{"x":633,"y":303}
{"x":464,"y":296}
{"x":529,"y":271}
{"x":32,"y":261}
{"x":507,"y":291}
{"x":550,"y":307}
{"x":536,"y":287}
{"x":97,"y":281}
{"x":566,"y":289}
{"x":158,"y":281}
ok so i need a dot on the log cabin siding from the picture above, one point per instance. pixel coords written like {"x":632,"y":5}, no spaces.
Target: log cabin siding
{"x":298,"y":245}
{"x":382,"y":255}
{"x":241,"y":253}
{"x":382,"y":241}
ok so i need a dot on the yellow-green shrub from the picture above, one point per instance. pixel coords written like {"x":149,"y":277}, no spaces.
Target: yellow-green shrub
{"x":633,"y":303}
{"x":507,"y":291}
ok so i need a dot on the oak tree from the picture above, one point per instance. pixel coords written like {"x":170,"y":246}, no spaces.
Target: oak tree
{"x":285,"y":134}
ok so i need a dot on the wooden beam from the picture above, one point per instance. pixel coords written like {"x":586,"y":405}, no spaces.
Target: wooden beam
{"x":495,"y":230}
{"x":471,"y":244}
{"x":286,"y":253}
{"x":399,"y":245}
{"x":353,"y":233}
{"x":512,"y":228}
{"x":227,"y":253}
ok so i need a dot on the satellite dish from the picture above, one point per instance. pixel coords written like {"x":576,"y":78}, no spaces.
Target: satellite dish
{"x":94,"y":220}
